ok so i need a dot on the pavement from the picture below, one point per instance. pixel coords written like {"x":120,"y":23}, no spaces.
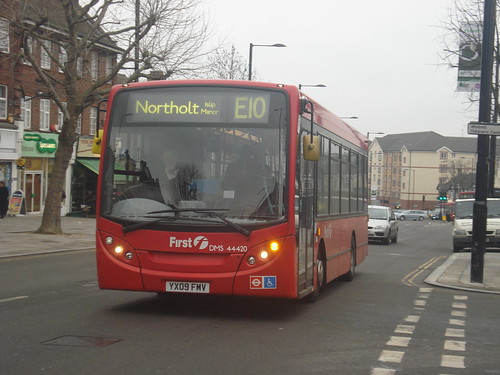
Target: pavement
{"x":17,"y":238}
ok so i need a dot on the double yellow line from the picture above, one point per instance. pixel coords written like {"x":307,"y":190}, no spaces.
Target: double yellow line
{"x":409,"y":279}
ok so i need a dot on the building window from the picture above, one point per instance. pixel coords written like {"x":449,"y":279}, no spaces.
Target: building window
{"x":79,"y":125}
{"x":28,"y":47}
{"x":94,"y":65}
{"x":109,"y":64}
{"x":44,"y":114}
{"x":443,"y":168}
{"x":93,"y":120}
{"x":443,"y":155}
{"x":26,"y":111}
{"x":60,"y":117}
{"x":63,"y":58}
{"x":4,"y":35}
{"x":44,"y":54}
{"x":3,"y":102}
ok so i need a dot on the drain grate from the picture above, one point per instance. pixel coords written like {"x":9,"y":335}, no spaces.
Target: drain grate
{"x":87,"y":341}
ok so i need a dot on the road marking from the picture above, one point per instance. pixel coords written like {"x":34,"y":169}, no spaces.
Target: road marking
{"x":461,"y":297}
{"x":420,"y":302}
{"x":457,"y":313}
{"x":391,"y":356}
{"x":401,"y":328}
{"x":459,"y":305}
{"x":453,"y":361}
{"x":454,"y":332}
{"x":410,"y":278}
{"x":399,"y":341}
{"x":383,"y":371}
{"x":454,"y":345}
{"x":412,"y":319}
{"x":12,"y":299}
{"x":457,"y":322}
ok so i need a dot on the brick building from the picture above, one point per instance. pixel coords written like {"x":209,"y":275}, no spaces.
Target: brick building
{"x":29,"y":117}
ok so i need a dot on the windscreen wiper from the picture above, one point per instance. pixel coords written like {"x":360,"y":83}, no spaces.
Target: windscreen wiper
{"x":209,"y":212}
{"x":176,"y":211}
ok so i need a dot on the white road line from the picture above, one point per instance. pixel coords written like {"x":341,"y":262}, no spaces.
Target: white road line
{"x":412,"y":319}
{"x":391,"y":356}
{"x":457,"y":322}
{"x":383,"y":371}
{"x":458,"y":313}
{"x":420,"y":302}
{"x":459,"y":305}
{"x":453,"y":361}
{"x":454,"y":332}
{"x":461,"y":297}
{"x":425,"y":290}
{"x":454,"y":345}
{"x":399,"y":341}
{"x":401,"y":328}
{"x":12,"y":299}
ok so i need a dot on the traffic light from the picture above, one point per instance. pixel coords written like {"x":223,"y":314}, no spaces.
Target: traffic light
{"x":442,"y":196}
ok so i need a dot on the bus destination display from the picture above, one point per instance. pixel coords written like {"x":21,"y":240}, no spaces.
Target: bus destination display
{"x":211,"y":108}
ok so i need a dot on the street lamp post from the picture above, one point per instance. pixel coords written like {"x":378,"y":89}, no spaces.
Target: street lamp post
{"x":368,"y":135}
{"x":250,"y":55}
{"x":314,"y":85}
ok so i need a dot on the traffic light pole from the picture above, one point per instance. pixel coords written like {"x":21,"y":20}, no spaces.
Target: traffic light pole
{"x":480,"y":209}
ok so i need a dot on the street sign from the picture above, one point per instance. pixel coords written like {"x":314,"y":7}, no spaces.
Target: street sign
{"x":483,"y":128}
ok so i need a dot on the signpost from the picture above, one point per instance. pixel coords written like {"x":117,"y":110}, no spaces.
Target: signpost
{"x":483,"y":128}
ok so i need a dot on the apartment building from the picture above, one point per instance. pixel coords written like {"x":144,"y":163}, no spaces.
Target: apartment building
{"x":30,"y":120}
{"x":407,"y":170}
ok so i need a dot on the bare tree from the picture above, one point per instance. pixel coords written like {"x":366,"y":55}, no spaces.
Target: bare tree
{"x":227,"y":64}
{"x":169,"y":35}
{"x":465,"y":17}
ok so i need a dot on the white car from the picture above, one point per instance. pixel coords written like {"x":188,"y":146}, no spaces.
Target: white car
{"x":382,"y":225}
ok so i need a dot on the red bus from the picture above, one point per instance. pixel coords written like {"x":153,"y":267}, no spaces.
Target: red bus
{"x":204,"y":187}
{"x":466,"y":194}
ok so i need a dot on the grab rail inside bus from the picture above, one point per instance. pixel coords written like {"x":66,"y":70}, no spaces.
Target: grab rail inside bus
{"x":96,"y":143}
{"x":310,"y":144}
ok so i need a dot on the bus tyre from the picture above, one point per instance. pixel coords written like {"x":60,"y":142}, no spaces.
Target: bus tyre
{"x":320,"y":276}
{"x":349,"y":276}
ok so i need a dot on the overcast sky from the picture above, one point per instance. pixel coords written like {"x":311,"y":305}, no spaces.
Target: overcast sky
{"x":379,"y":59}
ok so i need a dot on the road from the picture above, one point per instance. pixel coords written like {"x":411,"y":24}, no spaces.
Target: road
{"x":387,"y":321}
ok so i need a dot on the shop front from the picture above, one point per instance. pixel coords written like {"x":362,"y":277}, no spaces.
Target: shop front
{"x":37,"y":158}
{"x":9,"y":154}
{"x":84,"y":181}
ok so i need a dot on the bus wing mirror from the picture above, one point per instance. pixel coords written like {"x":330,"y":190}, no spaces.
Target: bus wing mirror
{"x":311,"y":147}
{"x":96,"y":143}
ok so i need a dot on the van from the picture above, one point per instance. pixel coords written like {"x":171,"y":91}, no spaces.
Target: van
{"x":462,"y":227}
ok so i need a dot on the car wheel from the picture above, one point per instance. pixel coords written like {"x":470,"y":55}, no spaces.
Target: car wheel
{"x":402,"y":218}
{"x":420,"y":218}
{"x":395,"y":238}
{"x":386,"y":240}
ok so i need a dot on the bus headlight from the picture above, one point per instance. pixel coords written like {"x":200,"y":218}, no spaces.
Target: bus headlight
{"x":263,"y":255}
{"x":119,"y":249}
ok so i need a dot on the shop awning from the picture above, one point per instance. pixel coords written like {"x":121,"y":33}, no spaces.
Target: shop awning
{"x":92,"y":164}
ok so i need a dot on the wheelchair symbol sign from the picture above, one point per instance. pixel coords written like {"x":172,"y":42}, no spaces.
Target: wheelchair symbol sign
{"x":262,"y":282}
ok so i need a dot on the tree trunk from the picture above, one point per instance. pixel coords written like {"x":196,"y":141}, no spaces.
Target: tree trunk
{"x":51,"y":219}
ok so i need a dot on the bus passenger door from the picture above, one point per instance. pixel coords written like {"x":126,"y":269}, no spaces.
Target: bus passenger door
{"x":305,"y":223}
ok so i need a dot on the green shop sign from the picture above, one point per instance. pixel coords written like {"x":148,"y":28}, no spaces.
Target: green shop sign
{"x":46,"y":145}
{"x":32,"y":137}
{"x":35,"y":144}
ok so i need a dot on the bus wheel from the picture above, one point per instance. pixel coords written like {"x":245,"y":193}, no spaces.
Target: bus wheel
{"x":320,"y":277}
{"x":349,"y":276}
